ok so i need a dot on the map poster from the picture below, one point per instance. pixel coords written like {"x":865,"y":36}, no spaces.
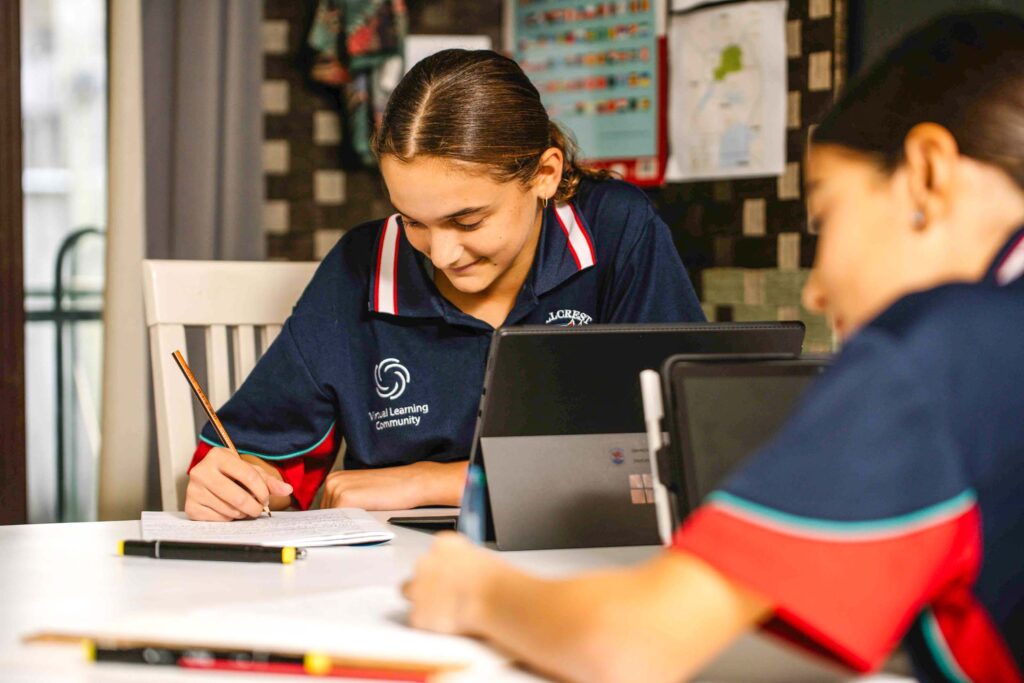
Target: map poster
{"x":600,"y":69}
{"x":727,"y":113}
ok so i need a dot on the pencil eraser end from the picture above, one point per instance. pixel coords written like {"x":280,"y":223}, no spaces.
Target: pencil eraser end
{"x":287,"y":555}
{"x":120,"y":547}
{"x":316,"y":664}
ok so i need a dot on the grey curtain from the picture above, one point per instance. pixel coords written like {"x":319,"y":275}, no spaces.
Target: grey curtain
{"x":203,"y":67}
{"x":202,"y":76}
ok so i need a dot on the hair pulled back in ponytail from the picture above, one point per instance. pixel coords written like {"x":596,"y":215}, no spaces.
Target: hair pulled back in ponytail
{"x":964,"y":72}
{"x":476,"y":107}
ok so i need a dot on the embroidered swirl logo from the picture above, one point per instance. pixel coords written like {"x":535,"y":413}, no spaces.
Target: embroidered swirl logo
{"x":391,"y":377}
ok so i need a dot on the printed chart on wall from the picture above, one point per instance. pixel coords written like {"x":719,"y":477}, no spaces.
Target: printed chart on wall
{"x":727,"y":109}
{"x":599,"y":67}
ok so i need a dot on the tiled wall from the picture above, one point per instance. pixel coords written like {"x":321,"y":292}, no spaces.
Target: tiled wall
{"x":305,"y":188}
{"x":309,"y":199}
{"x":745,"y":242}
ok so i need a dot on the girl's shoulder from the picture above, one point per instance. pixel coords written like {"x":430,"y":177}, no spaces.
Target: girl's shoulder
{"x":342,"y":279}
{"x":610,"y":195}
{"x":616,"y":213}
{"x":351,"y":254}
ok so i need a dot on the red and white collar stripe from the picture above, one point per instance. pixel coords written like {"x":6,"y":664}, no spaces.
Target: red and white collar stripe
{"x":1012,"y":265}
{"x":385,"y":286}
{"x":580,"y":246}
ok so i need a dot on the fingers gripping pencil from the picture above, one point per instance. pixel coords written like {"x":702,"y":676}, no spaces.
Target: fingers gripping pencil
{"x":214,"y":420}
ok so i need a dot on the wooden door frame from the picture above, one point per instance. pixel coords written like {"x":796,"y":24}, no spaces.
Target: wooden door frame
{"x":13,"y":480}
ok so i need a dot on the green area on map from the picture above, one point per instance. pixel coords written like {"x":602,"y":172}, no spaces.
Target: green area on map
{"x":732,"y":62}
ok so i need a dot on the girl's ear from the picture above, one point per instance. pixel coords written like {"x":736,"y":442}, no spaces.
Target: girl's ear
{"x":930,"y":155}
{"x":549,"y":173}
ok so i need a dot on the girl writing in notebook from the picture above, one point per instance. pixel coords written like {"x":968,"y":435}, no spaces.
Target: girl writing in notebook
{"x":496,"y":224}
{"x":889,"y":507}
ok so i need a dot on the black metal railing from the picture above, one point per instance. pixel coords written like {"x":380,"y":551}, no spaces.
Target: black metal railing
{"x":64,"y":312}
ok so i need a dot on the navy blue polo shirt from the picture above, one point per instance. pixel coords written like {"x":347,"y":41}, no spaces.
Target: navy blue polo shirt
{"x":372,"y":352}
{"x":889,"y":507}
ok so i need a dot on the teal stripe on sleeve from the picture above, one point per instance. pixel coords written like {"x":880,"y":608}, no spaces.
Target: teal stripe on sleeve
{"x":940,"y":651}
{"x":263,"y":456}
{"x":804,"y":526}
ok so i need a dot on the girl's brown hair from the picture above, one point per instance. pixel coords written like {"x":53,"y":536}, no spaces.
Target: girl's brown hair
{"x":480,"y":108}
{"x":962,"y":71}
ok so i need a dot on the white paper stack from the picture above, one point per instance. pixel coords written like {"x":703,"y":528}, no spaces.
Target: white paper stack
{"x":313,"y":528}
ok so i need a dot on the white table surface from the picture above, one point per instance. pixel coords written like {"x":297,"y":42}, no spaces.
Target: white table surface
{"x":53,"y":574}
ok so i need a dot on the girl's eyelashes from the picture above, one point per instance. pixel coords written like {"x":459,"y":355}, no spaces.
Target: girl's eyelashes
{"x":409,"y":223}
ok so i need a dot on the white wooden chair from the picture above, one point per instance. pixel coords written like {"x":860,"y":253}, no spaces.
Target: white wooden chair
{"x":238,"y":303}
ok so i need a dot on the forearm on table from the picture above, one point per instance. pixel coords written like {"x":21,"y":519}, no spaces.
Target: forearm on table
{"x":276,"y":502}
{"x":444,"y":482}
{"x":661,"y":621}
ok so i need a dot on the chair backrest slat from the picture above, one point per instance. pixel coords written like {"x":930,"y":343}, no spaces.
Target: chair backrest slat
{"x":175,"y":430}
{"x":252,"y":298}
{"x":243,"y":342}
{"x":218,"y":372}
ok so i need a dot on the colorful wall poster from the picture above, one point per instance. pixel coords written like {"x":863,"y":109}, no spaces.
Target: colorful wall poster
{"x":599,"y":67}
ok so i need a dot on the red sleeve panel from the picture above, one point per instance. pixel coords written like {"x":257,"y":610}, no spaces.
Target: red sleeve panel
{"x":846,"y":590}
{"x":305,"y":472}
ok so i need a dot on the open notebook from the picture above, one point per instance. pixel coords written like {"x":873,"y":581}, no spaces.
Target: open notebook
{"x":339,"y":526}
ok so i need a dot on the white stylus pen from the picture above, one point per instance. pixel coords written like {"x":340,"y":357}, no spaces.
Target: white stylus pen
{"x":654,"y":411}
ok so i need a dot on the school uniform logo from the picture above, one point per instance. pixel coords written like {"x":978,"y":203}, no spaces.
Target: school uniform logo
{"x":391,"y":378}
{"x":568,"y":317}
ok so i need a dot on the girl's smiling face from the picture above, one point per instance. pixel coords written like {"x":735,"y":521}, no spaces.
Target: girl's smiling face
{"x":474,"y":229}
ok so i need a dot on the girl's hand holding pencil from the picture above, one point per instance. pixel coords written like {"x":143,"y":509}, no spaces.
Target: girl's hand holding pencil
{"x":224,"y":486}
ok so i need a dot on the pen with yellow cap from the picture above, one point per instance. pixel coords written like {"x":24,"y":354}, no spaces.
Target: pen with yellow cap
{"x":210,"y":412}
{"x":216,"y":552}
{"x":263,"y":662}
{"x":208,"y":656}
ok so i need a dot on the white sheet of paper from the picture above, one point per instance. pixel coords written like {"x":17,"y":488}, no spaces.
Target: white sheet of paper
{"x":339,"y":526}
{"x":368,"y":622}
{"x":727,"y":105}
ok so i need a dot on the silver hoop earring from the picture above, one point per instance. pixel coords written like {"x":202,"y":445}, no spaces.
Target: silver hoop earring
{"x":544,"y":203}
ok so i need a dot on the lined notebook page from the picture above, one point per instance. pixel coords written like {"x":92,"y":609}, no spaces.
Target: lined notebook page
{"x":339,"y":526}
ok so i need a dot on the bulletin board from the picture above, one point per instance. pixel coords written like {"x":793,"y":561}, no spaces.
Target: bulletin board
{"x":746,"y":242}
{"x":600,"y":69}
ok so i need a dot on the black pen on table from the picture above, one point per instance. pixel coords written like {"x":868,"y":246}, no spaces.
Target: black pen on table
{"x":210,"y":412}
{"x":222,"y":552}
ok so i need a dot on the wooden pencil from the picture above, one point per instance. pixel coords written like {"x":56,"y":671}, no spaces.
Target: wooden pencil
{"x":210,"y":412}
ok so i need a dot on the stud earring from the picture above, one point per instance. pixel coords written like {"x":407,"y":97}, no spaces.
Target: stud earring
{"x":918,"y":219}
